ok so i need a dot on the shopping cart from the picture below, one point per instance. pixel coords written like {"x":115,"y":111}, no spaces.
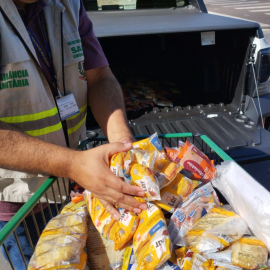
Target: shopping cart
{"x":52,"y":185}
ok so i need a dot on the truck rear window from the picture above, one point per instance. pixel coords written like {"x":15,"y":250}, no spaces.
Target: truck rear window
{"x":132,"y":4}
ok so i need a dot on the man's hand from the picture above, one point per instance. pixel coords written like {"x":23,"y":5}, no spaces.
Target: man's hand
{"x":91,"y":170}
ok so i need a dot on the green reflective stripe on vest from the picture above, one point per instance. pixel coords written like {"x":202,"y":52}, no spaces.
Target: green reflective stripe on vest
{"x":43,"y":131}
{"x":81,"y":111}
{"x":29,"y":117}
{"x":73,"y":129}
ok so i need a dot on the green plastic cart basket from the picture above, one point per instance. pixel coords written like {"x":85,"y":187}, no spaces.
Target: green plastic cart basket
{"x":52,"y":184}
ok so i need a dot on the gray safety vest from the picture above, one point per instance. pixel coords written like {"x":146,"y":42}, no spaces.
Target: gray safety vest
{"x":26,"y":100}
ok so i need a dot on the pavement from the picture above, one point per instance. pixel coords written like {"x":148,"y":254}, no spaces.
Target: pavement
{"x":252,"y":10}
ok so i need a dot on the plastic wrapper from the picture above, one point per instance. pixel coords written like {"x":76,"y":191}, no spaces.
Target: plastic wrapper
{"x":224,"y":266}
{"x":248,"y":198}
{"x":249,"y":253}
{"x":215,"y":231}
{"x":180,"y":254}
{"x":171,"y":153}
{"x":151,"y":242}
{"x":196,"y":205}
{"x":193,"y":160}
{"x":165,"y":170}
{"x":175,"y":191}
{"x":117,"y":164}
{"x":118,"y":232}
{"x":61,"y":244}
{"x":143,"y":157}
{"x":171,"y":264}
{"x":129,"y":262}
{"x":223,"y":256}
{"x":151,"y":144}
{"x":186,"y":262}
{"x":78,"y":207}
{"x":144,"y":177}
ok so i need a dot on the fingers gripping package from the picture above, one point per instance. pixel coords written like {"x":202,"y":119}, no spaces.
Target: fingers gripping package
{"x":175,"y":192}
{"x":215,"y":231}
{"x":195,"y":206}
{"x":151,"y":242}
{"x":118,"y":232}
{"x":193,"y":160}
{"x":144,"y":177}
{"x":61,"y":244}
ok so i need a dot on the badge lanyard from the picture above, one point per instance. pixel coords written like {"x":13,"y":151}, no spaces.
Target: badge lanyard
{"x":67,"y":104}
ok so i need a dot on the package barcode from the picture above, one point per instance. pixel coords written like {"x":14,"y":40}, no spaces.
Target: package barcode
{"x":148,"y":258}
{"x":226,"y":238}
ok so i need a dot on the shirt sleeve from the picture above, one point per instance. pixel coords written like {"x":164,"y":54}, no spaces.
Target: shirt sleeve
{"x":93,"y":54}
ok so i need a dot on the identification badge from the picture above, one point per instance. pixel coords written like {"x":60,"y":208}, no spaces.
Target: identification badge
{"x":67,"y":106}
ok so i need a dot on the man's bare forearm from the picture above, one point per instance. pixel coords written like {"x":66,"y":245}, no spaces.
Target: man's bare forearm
{"x":21,"y":152}
{"x":107,"y":103}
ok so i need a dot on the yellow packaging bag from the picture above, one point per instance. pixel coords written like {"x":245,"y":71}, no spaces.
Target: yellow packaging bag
{"x":76,"y":207}
{"x":117,"y":164}
{"x":249,"y":253}
{"x":171,"y":264}
{"x":143,"y":157}
{"x":186,"y":262}
{"x":144,"y":177}
{"x":168,"y":170}
{"x":180,"y":254}
{"x":215,"y":231}
{"x":119,"y":232}
{"x":151,"y":144}
{"x":151,"y":243}
{"x":175,"y":192}
{"x":61,"y":243}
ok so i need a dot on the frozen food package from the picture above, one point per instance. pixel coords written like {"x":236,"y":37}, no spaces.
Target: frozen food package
{"x":223,"y":256}
{"x":116,"y":257}
{"x":129,"y":260}
{"x":249,"y":253}
{"x":144,"y":177}
{"x":180,"y":254}
{"x":117,"y":164}
{"x":215,"y":231}
{"x":151,"y":144}
{"x":61,"y":243}
{"x":77,"y":207}
{"x":186,"y":262}
{"x":196,"y":205}
{"x":143,"y":157}
{"x":171,"y":153}
{"x":247,"y":196}
{"x":171,"y":264}
{"x":117,"y":231}
{"x":175,"y":191}
{"x":165,"y":170}
{"x":72,"y":222}
{"x":151,"y":242}
{"x":193,"y":160}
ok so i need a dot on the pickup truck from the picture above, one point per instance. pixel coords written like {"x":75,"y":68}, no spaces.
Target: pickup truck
{"x":219,"y":68}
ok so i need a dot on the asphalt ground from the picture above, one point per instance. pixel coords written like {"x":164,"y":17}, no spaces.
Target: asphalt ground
{"x":253,"y":10}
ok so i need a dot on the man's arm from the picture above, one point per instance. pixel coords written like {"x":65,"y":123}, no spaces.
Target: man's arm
{"x":107,"y":103}
{"x":89,"y":168}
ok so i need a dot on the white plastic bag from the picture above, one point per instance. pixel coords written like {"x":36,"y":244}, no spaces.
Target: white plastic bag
{"x":247,"y":197}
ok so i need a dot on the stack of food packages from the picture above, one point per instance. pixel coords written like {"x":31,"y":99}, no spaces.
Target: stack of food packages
{"x":201,"y":233}
{"x":141,"y":93}
{"x":61,"y":244}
